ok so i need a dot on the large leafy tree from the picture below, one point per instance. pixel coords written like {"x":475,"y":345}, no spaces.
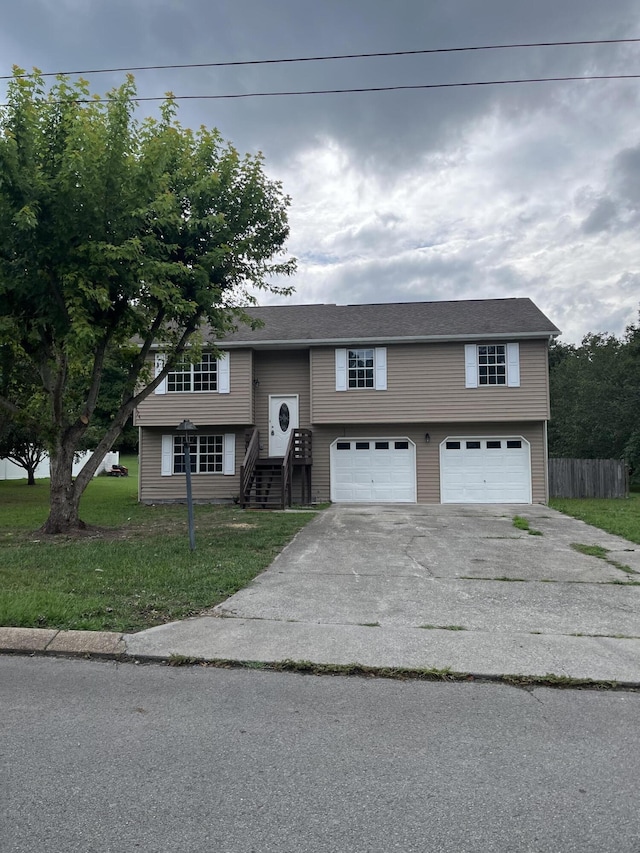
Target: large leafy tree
{"x":22,"y":436}
{"x":115,"y":235}
{"x":595,"y":397}
{"x":23,"y":445}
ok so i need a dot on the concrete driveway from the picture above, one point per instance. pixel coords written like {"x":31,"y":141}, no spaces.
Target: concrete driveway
{"x":445,"y":587}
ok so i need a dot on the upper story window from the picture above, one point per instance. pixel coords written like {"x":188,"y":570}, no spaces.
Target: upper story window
{"x":202,"y":376}
{"x":361,"y":368}
{"x":492,"y":364}
{"x":209,"y":374}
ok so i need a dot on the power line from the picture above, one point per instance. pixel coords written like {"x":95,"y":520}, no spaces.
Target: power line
{"x":369,"y":89}
{"x":332,"y":57}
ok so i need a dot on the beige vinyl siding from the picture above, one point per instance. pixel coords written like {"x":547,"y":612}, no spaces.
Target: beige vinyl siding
{"x":205,"y":407}
{"x":426,"y":382}
{"x":280,"y":372}
{"x":155,"y":488}
{"x":428,"y":454}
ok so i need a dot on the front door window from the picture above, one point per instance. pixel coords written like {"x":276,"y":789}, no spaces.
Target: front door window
{"x":283,"y":417}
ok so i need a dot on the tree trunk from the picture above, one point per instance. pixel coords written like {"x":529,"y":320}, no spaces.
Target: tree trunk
{"x":64,"y":498}
{"x":31,"y":476}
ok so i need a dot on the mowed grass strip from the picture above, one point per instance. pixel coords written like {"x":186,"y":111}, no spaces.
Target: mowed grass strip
{"x":136,"y":570}
{"x":615,"y":515}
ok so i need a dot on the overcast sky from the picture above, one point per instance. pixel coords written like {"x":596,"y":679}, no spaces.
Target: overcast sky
{"x":493,"y":191}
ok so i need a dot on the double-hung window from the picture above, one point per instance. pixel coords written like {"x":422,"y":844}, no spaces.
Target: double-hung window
{"x":361,"y":367}
{"x":209,"y":374}
{"x":205,"y":451}
{"x":361,"y":371}
{"x":492,"y":365}
{"x":209,"y":454}
{"x":202,"y":376}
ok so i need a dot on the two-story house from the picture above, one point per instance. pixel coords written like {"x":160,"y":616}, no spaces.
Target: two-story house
{"x":409,"y":402}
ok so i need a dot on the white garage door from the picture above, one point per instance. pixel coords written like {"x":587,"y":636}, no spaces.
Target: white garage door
{"x":485,"y":470}
{"x":373,"y":470}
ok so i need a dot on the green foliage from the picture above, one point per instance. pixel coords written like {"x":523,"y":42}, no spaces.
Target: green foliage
{"x":114,"y":377}
{"x":522,"y":523}
{"x":113,"y":230}
{"x":22,"y":437}
{"x":595,"y":398}
{"x":590,"y":550}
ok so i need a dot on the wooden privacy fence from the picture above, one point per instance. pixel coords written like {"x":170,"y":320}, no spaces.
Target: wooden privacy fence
{"x":588,"y":478}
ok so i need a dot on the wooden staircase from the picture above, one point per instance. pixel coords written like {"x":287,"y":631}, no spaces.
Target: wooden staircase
{"x":266,"y":491}
{"x":266,"y":483}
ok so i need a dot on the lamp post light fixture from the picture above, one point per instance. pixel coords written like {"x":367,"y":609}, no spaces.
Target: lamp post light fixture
{"x":187,"y":428}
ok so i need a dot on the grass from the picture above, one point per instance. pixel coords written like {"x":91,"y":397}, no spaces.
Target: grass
{"x":136,"y":570}
{"x":590,"y":550}
{"x":602,"y":554}
{"x":523,"y":524}
{"x":615,"y":515}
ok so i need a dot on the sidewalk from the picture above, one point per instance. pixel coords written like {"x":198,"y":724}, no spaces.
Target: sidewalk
{"x":455,"y":653}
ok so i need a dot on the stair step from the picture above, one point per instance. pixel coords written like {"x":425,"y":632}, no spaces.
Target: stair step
{"x":265,"y":489}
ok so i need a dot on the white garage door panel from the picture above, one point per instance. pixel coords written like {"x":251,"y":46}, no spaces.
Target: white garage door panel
{"x":373,"y":470}
{"x":498,"y":471}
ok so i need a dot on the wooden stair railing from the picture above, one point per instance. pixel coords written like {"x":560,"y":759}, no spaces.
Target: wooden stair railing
{"x":267,"y":483}
{"x":248,"y":467}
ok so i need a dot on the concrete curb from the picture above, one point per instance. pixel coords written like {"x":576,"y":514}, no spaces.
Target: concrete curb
{"x":108,"y":645}
{"x":45,"y":641}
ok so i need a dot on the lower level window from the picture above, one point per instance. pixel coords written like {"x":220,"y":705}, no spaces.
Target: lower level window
{"x":206,"y":451}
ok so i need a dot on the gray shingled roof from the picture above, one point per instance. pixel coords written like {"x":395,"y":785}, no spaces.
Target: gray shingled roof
{"x":477,"y":318}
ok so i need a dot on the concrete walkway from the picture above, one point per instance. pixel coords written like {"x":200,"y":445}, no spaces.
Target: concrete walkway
{"x":454,"y":588}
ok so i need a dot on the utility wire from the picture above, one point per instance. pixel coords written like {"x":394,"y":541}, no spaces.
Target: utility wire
{"x":367,"y":89}
{"x":332,"y":57}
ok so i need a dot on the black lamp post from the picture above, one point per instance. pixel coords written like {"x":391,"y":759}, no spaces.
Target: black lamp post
{"x":187,"y":428}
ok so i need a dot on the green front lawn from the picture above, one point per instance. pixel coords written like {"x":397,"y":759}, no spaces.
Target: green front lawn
{"x":615,"y":515}
{"x":136,"y":570}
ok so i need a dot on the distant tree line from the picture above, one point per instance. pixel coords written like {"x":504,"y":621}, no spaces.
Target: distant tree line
{"x":595,"y":398}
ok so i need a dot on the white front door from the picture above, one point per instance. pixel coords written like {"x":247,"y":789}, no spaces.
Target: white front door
{"x":283,"y":417}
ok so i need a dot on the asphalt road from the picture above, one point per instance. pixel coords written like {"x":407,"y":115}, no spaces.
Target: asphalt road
{"x":98,"y":757}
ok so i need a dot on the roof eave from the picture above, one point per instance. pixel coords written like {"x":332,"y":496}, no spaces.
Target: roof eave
{"x":408,"y":339}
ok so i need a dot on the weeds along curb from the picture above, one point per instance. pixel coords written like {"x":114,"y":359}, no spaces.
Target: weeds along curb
{"x":404,"y":674}
{"x":525,"y":682}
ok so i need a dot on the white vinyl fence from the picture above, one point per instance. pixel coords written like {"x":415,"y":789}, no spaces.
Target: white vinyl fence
{"x":11,"y":471}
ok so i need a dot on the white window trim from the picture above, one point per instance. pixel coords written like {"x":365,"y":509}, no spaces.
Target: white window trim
{"x":228,"y":456}
{"x":379,"y":369}
{"x":223,"y":376}
{"x":471,"y":369}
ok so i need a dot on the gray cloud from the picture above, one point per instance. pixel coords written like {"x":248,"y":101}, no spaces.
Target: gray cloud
{"x":627,"y":176}
{"x":602,"y":217}
{"x":382,"y":130}
{"x":488,"y":191}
